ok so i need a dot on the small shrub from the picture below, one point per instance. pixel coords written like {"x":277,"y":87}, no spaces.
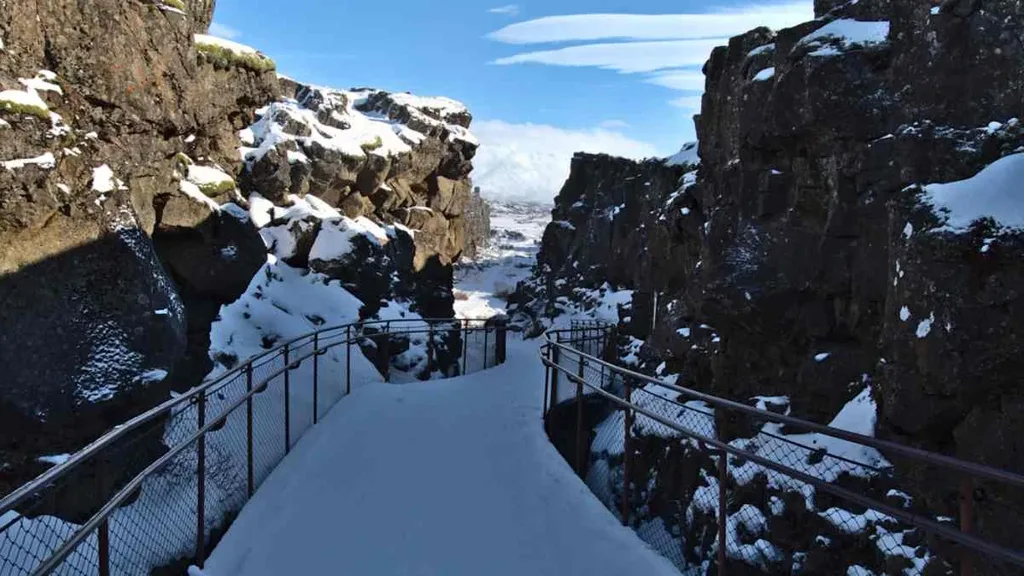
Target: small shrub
{"x":371,"y":146}
{"x":222,"y":57}
{"x":16,"y":108}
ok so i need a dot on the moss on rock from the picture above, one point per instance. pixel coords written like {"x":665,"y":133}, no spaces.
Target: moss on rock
{"x":16,"y":108}
{"x":214,"y":189}
{"x":176,"y":4}
{"x":221,"y":57}
{"x":371,"y":146}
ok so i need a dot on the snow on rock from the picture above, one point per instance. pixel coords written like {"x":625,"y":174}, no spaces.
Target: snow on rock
{"x":103,"y":180}
{"x":27,"y":98}
{"x":237,"y":48}
{"x":335,"y":238}
{"x":687,"y":155}
{"x":844,"y":34}
{"x":45,"y":161}
{"x":344,"y":121}
{"x":993,"y":192}
{"x":43,"y":82}
{"x":766,"y":74}
{"x":207,"y":176}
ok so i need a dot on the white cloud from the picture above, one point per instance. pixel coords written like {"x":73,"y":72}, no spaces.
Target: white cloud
{"x":689,"y":103}
{"x":678,"y":79}
{"x":625,"y":57}
{"x":508,"y":10}
{"x":614,"y":124}
{"x":717,"y":24}
{"x":661,"y":46}
{"x":530,"y":162}
{"x":223,"y":31}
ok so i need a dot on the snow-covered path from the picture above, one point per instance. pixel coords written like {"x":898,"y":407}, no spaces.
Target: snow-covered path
{"x":451,"y":477}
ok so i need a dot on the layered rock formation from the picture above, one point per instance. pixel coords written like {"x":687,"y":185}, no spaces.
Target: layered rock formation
{"x":129,"y":218}
{"x":812,"y":253}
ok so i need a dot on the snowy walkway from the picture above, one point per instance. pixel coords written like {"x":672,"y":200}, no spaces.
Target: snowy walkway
{"x":452,"y":477}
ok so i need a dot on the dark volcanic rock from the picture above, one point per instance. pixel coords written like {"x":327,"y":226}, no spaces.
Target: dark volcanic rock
{"x":101,"y":322}
{"x":802,"y":258}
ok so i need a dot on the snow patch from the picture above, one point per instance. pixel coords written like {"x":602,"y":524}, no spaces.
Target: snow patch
{"x":993,"y":192}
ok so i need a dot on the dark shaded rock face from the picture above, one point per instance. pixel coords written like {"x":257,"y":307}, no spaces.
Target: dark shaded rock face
{"x":100,"y":252}
{"x":808,"y":230}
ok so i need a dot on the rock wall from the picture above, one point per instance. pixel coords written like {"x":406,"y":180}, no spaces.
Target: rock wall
{"x":128,"y":218}
{"x":811,"y":254}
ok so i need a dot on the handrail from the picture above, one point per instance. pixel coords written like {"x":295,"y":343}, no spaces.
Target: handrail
{"x":10,"y":501}
{"x":883,"y":445}
{"x":321,"y":341}
{"x":556,"y":351}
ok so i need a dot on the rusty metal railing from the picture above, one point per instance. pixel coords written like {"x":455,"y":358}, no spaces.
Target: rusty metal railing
{"x":723,"y":487}
{"x":157,"y":492}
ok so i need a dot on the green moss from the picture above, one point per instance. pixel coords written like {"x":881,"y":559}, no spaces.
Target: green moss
{"x":371,"y":146}
{"x":176,"y":4}
{"x":214,"y":189}
{"x":17,"y":109}
{"x":222,"y":57}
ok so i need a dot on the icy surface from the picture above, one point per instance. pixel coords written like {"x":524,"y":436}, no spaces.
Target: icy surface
{"x":452,"y":477}
{"x":766,"y":74}
{"x":994,"y":192}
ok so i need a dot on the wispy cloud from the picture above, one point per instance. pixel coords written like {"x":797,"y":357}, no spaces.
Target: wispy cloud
{"x":224,"y":31}
{"x":717,"y":24}
{"x":531,"y":161}
{"x":614,"y":124}
{"x":507,"y":10}
{"x":626,"y":57}
{"x":668,"y":48}
{"x":689,"y":103}
{"x":678,"y":79}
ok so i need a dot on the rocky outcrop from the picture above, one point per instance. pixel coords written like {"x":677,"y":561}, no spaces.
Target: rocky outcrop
{"x":97,"y":102}
{"x":128,"y":218}
{"x":478,"y":224}
{"x":812,"y":254}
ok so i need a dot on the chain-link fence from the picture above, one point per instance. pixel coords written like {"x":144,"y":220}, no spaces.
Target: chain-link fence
{"x":156,"y":494}
{"x":720,"y":487}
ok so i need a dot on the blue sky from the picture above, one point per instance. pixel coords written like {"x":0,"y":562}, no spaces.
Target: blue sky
{"x":597,"y":82}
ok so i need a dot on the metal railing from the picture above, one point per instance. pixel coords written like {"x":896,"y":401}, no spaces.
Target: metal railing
{"x":720,"y":487}
{"x":156,"y":493}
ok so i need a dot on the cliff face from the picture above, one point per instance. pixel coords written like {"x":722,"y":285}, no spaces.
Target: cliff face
{"x":812,"y":255}
{"x":146,"y":168}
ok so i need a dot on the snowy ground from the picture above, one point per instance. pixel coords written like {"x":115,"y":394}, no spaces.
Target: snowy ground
{"x":481,"y":285}
{"x":448,"y":477}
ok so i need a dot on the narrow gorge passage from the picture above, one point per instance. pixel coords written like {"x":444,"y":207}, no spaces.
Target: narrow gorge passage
{"x":450,"y":477}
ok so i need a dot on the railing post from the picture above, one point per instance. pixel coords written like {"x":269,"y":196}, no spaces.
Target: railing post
{"x":723,"y":481}
{"x":201,"y":483}
{"x":556,"y":354}
{"x":287,"y":402}
{"x":250,"y":479}
{"x":465,"y":347}
{"x":500,"y":342}
{"x":316,"y":377}
{"x":430,"y":346}
{"x":580,"y":446}
{"x":384,"y":352}
{"x":348,"y":360}
{"x":547,"y":381}
{"x":486,"y":329}
{"x":103,"y":547}
{"x":966,"y":523}
{"x":627,"y":455}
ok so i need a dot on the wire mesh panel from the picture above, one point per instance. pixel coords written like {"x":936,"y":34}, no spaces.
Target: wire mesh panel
{"x":159,"y":492}
{"x":719,"y":487}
